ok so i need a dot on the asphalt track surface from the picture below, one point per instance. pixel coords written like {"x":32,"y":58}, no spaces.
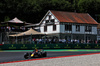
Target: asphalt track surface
{"x":17,"y":56}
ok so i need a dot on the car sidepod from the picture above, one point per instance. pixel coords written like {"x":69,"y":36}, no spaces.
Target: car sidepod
{"x":36,"y":54}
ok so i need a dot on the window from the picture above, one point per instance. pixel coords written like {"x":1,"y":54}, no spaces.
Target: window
{"x":77,"y":27}
{"x":54,"y":27}
{"x":88,"y":28}
{"x":45,"y":28}
{"x":52,"y":20}
{"x":47,"y":21}
{"x":49,"y":17}
{"x":68,"y":27}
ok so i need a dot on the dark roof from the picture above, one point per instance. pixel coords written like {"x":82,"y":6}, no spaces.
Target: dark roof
{"x":72,"y":17}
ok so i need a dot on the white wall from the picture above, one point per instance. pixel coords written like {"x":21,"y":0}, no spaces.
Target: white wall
{"x":60,"y":27}
{"x":94,"y":30}
{"x":78,"y":32}
{"x":50,"y":29}
{"x":82,"y":29}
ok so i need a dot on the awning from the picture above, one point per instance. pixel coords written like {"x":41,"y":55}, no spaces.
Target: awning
{"x":15,"y":20}
{"x":29,"y":32}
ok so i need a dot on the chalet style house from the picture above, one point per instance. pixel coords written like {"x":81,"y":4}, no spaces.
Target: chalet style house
{"x":69,"y":25}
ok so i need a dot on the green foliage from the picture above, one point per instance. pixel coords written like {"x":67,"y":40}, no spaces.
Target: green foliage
{"x":6,"y":18}
{"x":89,"y":6}
{"x":32,"y":11}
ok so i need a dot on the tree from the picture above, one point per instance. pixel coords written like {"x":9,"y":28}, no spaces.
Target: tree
{"x":32,"y":11}
{"x":89,"y":6}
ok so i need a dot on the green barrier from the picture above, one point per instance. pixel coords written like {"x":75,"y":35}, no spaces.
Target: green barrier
{"x":48,"y":46}
{"x":77,"y":46}
{"x":97,"y":46}
{"x":67,"y":46}
{"x":88,"y":46}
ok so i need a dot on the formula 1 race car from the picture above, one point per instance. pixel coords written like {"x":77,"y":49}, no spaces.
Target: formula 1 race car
{"x":35,"y":54}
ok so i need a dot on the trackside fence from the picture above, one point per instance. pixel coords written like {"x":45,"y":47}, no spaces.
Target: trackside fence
{"x":48,"y":46}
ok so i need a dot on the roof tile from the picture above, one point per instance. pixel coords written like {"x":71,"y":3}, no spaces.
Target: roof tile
{"x":74,"y":17}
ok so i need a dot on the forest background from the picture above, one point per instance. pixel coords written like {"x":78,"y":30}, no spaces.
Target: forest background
{"x":32,"y":11}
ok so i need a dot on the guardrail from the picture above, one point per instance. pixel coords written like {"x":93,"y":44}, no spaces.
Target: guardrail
{"x":48,"y":46}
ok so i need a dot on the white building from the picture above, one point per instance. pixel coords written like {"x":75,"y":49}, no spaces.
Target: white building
{"x":69,"y":25}
{"x":98,"y":32}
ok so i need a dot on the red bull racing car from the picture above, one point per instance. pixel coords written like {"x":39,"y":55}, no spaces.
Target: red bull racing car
{"x":35,"y":54}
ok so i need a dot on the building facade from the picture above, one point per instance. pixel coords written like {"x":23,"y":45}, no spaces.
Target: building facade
{"x":98,"y":32}
{"x":69,"y":25}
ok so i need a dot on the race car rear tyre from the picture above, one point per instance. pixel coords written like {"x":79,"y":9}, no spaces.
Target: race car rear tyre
{"x":26,"y":56}
{"x":45,"y":54}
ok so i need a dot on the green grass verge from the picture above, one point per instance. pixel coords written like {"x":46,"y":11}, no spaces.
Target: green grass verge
{"x":53,"y":50}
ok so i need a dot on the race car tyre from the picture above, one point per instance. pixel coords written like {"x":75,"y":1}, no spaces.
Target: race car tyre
{"x":45,"y":54}
{"x":26,"y":56}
